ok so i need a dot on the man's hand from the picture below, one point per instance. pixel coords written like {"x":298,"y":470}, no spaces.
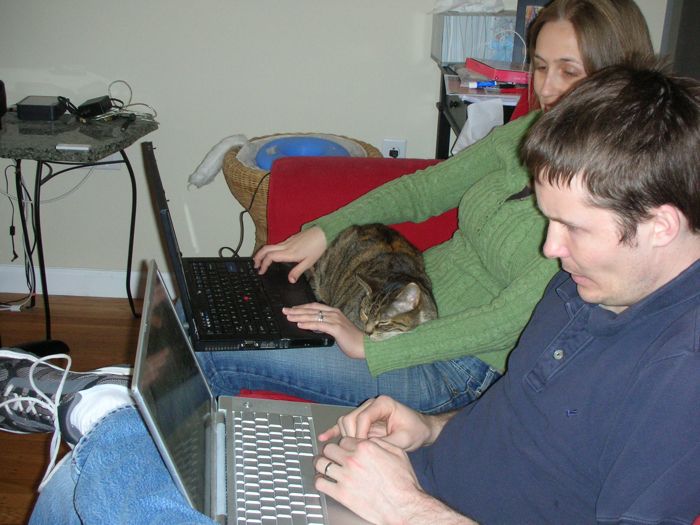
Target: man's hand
{"x":305,"y":248}
{"x":371,"y":477}
{"x":386,"y":418}
{"x":375,"y":480}
{"x":331,"y":321}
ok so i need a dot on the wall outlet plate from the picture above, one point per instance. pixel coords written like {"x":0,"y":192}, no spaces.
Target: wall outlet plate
{"x":395,"y":148}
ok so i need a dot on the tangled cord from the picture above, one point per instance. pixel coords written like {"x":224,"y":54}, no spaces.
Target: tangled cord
{"x":119,"y":108}
{"x":126,"y":107}
{"x":235,"y":251}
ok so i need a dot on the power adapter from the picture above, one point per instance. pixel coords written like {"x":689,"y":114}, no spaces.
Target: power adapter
{"x":37,"y":107}
{"x":94,"y":106}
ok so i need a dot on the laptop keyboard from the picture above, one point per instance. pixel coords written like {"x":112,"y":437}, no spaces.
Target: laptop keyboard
{"x":274,"y":470}
{"x":236,"y":301}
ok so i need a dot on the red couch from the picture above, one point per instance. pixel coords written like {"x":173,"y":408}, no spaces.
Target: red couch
{"x":304,"y":188}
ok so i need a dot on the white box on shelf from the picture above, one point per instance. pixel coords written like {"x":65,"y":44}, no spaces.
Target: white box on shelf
{"x":457,"y":36}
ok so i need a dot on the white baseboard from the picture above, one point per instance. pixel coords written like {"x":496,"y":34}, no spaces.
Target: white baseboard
{"x":76,"y":281}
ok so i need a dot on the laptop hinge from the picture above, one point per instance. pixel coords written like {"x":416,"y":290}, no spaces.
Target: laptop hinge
{"x":217,"y":496}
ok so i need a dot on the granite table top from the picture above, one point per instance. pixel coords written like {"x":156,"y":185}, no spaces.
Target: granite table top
{"x":37,"y":139}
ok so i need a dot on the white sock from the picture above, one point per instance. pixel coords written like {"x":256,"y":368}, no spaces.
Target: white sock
{"x":91,"y":405}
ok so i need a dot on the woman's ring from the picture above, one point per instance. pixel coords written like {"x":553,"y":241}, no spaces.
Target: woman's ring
{"x":320,"y":316}
{"x":325,"y":470}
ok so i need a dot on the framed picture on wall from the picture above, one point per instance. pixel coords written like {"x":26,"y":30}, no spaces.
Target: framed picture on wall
{"x":526,"y":13}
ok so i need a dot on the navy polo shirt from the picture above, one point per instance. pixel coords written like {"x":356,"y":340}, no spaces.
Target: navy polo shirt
{"x":596,"y":420}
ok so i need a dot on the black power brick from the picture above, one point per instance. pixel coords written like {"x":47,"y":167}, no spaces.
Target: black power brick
{"x":94,"y":106}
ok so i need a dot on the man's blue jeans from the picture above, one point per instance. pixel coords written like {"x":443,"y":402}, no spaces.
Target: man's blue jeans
{"x":114,"y":475}
{"x":327,"y":375}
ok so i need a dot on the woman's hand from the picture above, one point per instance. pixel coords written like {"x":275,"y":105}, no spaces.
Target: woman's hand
{"x":386,"y":418}
{"x":322,"y":318}
{"x":305,"y":248}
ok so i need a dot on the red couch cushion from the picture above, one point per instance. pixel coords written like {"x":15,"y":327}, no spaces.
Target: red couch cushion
{"x":523,"y":105}
{"x":304,"y":188}
{"x":269,"y":394}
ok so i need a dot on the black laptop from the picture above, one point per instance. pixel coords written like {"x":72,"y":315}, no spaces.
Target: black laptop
{"x":227,"y":305}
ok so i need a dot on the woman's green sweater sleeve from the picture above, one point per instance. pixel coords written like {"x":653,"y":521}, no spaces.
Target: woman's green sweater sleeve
{"x":425,"y":193}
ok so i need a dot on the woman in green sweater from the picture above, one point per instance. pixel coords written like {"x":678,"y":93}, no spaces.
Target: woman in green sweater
{"x":486,"y":279}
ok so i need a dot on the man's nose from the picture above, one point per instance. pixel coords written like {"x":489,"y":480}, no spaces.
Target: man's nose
{"x":554,"y":245}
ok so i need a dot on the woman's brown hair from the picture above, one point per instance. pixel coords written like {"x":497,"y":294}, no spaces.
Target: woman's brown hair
{"x":608,"y":32}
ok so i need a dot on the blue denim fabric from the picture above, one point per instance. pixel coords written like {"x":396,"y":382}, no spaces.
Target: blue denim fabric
{"x":327,"y":375}
{"x":115,"y":475}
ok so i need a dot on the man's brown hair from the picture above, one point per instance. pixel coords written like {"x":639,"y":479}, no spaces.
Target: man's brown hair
{"x":632,"y":136}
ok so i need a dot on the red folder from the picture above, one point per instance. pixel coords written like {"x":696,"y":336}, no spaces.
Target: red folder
{"x":514,"y":72}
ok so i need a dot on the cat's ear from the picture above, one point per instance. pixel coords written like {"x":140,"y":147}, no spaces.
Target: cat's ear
{"x":408,"y":299}
{"x":364,"y":284}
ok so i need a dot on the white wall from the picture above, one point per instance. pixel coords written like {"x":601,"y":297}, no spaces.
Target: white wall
{"x":211,"y":69}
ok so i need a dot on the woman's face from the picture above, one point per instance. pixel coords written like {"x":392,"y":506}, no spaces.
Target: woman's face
{"x":557,"y":63}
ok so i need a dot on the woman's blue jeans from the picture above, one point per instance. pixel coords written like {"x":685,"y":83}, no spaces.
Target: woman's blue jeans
{"x":327,"y":375}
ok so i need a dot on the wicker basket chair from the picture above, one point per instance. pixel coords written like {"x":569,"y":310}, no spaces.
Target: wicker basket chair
{"x":249,"y":185}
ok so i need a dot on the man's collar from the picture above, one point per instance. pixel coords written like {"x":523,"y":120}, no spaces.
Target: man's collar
{"x":684,"y":287}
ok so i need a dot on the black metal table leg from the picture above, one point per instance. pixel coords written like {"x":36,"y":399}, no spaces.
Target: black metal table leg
{"x":442,"y":140}
{"x":132,"y":230}
{"x":40,"y":247}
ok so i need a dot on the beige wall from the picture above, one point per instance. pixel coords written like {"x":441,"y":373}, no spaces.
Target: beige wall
{"x":214,"y":68}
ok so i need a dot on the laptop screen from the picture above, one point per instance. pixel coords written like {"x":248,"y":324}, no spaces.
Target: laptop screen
{"x":166,"y":228}
{"x":173,"y":392}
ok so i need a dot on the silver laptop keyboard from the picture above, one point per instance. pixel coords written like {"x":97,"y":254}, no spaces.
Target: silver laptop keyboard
{"x":274,"y":470}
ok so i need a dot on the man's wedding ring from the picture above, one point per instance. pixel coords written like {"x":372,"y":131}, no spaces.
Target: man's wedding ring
{"x":320,"y":317}
{"x":325,"y":470}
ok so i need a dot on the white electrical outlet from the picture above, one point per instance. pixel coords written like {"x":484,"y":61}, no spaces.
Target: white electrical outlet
{"x":395,"y":148}
{"x":112,"y":158}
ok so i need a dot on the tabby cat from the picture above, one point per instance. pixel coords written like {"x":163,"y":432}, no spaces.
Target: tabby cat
{"x":377,"y":279}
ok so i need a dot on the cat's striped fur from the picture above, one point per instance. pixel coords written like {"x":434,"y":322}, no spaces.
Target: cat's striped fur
{"x":377,"y":279}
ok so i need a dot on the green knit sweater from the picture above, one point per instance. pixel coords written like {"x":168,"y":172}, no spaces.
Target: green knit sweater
{"x":488,"y":277}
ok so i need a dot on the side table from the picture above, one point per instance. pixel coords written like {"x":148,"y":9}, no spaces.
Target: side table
{"x":22,"y":140}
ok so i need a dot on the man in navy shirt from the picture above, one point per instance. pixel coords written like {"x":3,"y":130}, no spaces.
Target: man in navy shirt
{"x":598,"y":416}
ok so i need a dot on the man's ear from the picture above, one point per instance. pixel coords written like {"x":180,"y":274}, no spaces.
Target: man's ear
{"x":667,"y":223}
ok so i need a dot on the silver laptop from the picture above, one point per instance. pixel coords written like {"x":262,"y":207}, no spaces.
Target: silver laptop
{"x":234,"y":459}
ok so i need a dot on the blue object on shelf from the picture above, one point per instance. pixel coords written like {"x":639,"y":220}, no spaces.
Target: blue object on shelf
{"x":297,"y":147}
